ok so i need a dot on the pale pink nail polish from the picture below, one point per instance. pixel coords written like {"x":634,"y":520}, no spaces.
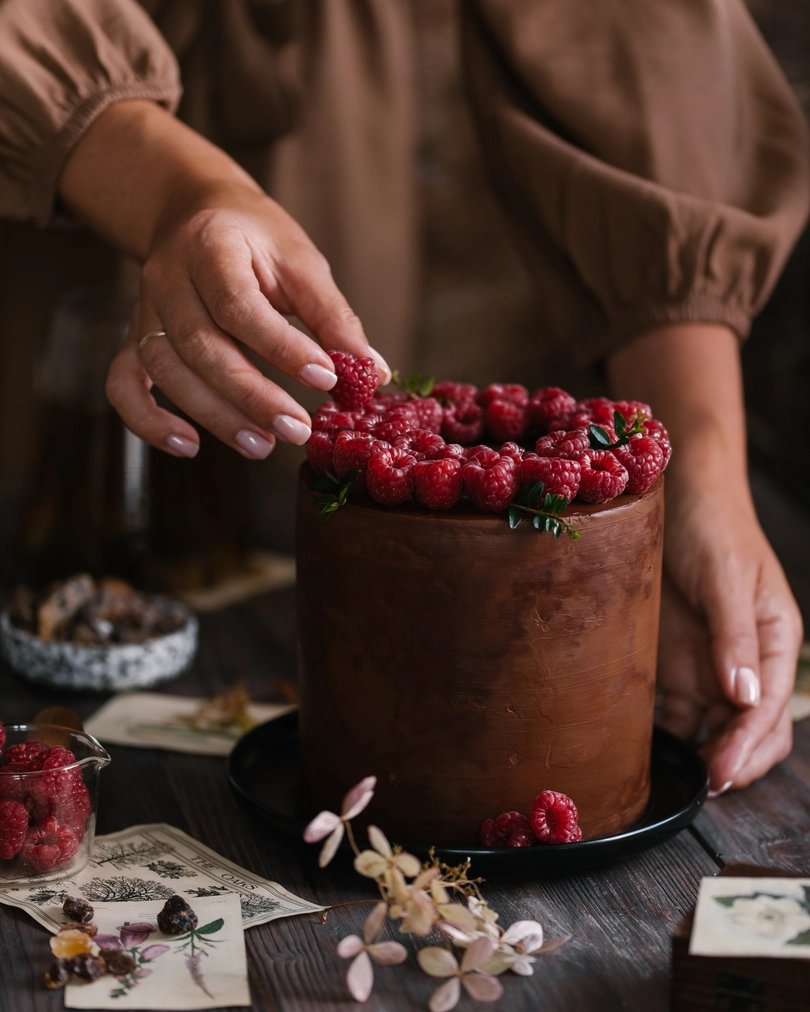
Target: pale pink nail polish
{"x":253,"y":444}
{"x":291,"y":430}
{"x":318,"y":376}
{"x":382,"y":366}
{"x":721,"y":790}
{"x":183,"y":447}
{"x":746,"y":686}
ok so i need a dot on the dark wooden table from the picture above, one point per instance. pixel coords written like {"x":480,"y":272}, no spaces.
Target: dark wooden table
{"x":621,"y":917}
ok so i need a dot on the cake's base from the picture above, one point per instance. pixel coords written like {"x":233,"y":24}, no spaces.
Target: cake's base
{"x":470,"y":667}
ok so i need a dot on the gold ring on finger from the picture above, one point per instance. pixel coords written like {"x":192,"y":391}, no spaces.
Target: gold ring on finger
{"x":152,"y":333}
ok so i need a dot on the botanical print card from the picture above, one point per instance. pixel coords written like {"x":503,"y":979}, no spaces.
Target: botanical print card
{"x":202,"y":968}
{"x":752,"y":917}
{"x":176,"y":723}
{"x":151,"y":863}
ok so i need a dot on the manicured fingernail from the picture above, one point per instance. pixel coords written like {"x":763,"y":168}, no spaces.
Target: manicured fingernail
{"x":291,"y":430}
{"x":382,"y":365}
{"x":184,"y":447}
{"x":721,"y":790}
{"x":746,"y":686}
{"x":318,"y":376}
{"x":253,"y":444}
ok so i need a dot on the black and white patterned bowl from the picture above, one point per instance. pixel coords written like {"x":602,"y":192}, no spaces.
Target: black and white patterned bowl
{"x":113,"y":668}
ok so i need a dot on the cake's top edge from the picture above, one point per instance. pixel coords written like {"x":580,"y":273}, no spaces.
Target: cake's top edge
{"x":465,"y":509}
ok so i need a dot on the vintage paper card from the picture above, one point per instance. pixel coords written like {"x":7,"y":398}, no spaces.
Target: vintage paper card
{"x":203,"y":968}
{"x":800,"y":700}
{"x":151,"y":863}
{"x":157,"y":720}
{"x":752,"y":917}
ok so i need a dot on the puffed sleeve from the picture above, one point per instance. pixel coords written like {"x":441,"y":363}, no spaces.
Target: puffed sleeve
{"x":651,"y":155}
{"x":62,"y":62}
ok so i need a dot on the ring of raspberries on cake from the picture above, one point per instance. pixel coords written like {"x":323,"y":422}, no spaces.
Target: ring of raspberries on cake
{"x":500,"y":448}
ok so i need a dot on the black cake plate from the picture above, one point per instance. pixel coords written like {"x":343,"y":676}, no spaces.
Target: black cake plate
{"x":263,"y":770}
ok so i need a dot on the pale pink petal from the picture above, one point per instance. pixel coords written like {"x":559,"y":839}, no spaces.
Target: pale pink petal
{"x":528,"y":933}
{"x":482,"y":988}
{"x":523,"y":965}
{"x":408,"y":864}
{"x":360,"y":978}
{"x":370,"y":864}
{"x":455,"y":913}
{"x":478,"y":953}
{"x":555,"y":943}
{"x":424,"y":878}
{"x":321,"y":826}
{"x":388,"y":953}
{"x":358,"y":797}
{"x":436,"y":961}
{"x":349,"y":946}
{"x":445,"y":997}
{"x":437,"y":891}
{"x":419,"y":915}
{"x":501,"y":961}
{"x":461,"y":938}
{"x":329,"y":849}
{"x":374,"y":922}
{"x":379,"y":841}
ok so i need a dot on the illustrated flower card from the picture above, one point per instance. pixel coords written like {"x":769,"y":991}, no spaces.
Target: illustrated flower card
{"x":199,"y":969}
{"x":752,"y":917}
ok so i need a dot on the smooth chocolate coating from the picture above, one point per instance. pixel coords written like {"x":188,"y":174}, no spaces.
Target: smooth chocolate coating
{"x":470,"y":667}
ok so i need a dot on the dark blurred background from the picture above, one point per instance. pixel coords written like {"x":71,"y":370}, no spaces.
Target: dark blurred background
{"x":76,"y":492}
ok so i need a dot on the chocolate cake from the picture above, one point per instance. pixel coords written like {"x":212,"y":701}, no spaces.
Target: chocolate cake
{"x":470,"y":666}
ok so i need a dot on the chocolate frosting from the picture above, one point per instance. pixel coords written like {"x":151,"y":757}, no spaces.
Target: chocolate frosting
{"x":470,"y":667}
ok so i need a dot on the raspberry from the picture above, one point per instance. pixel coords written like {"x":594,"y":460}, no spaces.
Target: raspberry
{"x":554,"y":818}
{"x":563,"y":444}
{"x":393,"y":427}
{"x":514,"y":451}
{"x":438,"y":482}
{"x":599,"y":414}
{"x":357,"y":379}
{"x":505,"y":420}
{"x":2,"y":736}
{"x":49,"y":845}
{"x":367,"y":422}
{"x":629,"y":409}
{"x":61,"y":793}
{"x":352,"y":453}
{"x":322,"y":417}
{"x":422,"y":444}
{"x":13,"y":827}
{"x":471,"y":452}
{"x":12,"y":788}
{"x":320,"y":452}
{"x":643,"y":457}
{"x":463,"y":423}
{"x":454,"y":450}
{"x":455,"y":393}
{"x":27,"y":756}
{"x":389,"y":476}
{"x":490,"y":480}
{"x":429,"y":414}
{"x":655,"y":429}
{"x":567,"y":422}
{"x":603,"y":476}
{"x":549,"y":403}
{"x":594,"y":406}
{"x":559,"y":475}
{"x":514,"y":393}
{"x":501,"y":831}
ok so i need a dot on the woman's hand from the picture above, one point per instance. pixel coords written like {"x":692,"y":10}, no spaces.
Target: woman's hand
{"x":730,"y":629}
{"x":222,"y":264}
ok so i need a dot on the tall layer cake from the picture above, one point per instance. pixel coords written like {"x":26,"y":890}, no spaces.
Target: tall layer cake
{"x":470,"y":666}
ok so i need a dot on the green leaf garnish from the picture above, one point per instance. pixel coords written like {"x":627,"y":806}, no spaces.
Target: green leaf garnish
{"x":414,"y":386}
{"x":545,"y":515}
{"x":599,"y":438}
{"x":335,"y":491}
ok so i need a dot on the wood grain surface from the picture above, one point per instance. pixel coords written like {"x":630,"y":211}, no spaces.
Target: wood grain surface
{"x":621,"y":917}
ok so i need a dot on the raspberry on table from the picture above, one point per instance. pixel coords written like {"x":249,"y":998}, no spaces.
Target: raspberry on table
{"x":514,"y":451}
{"x":562,"y":443}
{"x":506,"y":420}
{"x":490,"y":480}
{"x":357,"y":379}
{"x":367,"y":422}
{"x":352,"y":453}
{"x":422,"y":443}
{"x":320,"y":452}
{"x":643,"y":457}
{"x":514,"y":393}
{"x":389,"y":476}
{"x":455,"y":393}
{"x":549,"y":403}
{"x":13,"y":828}
{"x":560,"y":475}
{"x":429,"y":413}
{"x":49,"y":846}
{"x":463,"y":423}
{"x":176,"y":917}
{"x":454,"y":450}
{"x":390,"y":428}
{"x":554,"y":818}
{"x":602,"y":477}
{"x":507,"y":827}
{"x":438,"y":483}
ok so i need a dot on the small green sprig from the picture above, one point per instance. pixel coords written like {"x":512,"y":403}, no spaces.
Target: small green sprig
{"x":334,"y":491}
{"x":414,"y":385}
{"x":600,"y":439}
{"x":545,"y":509}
